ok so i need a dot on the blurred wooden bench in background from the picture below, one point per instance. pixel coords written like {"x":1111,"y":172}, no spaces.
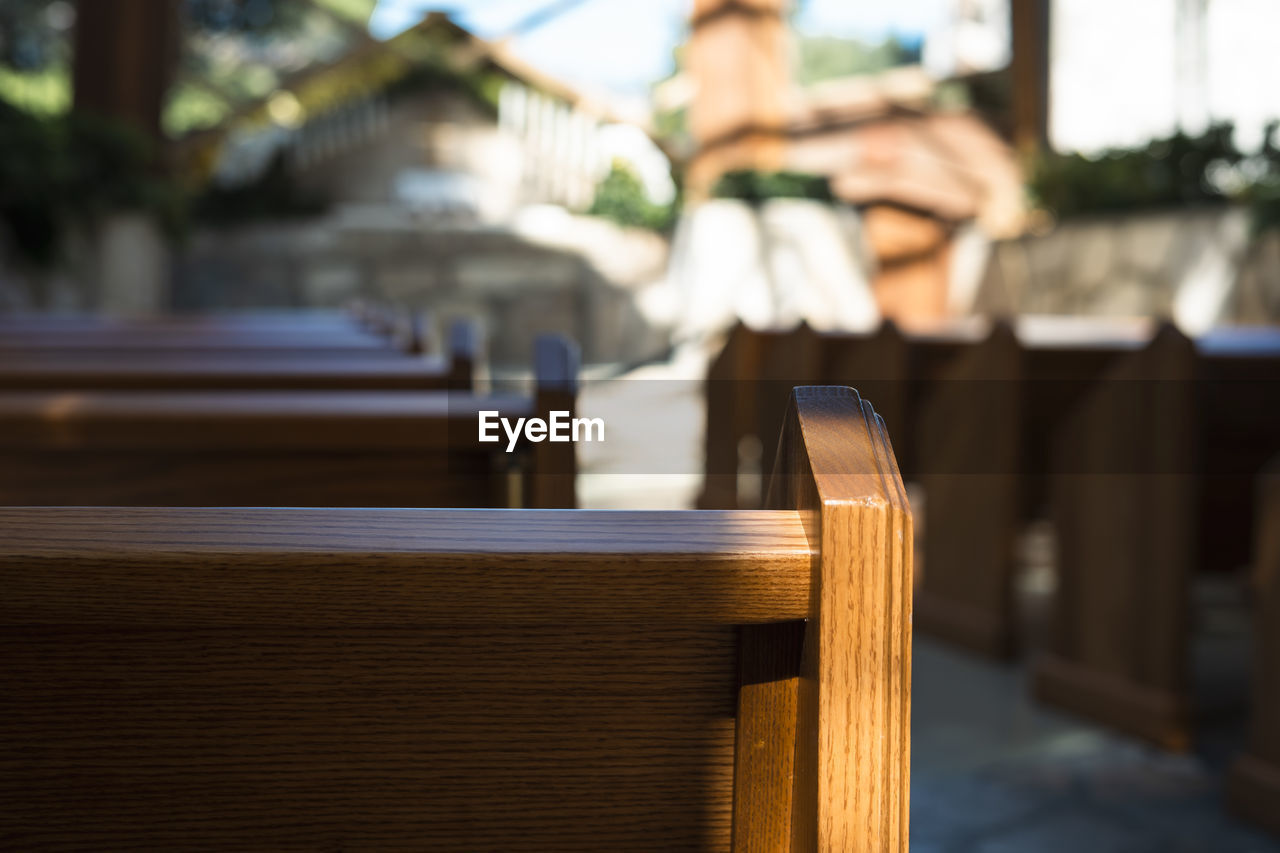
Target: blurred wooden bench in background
{"x":749,"y":383}
{"x":983,"y":427}
{"x":136,"y":368}
{"x":199,"y":334}
{"x":464,"y":680}
{"x":973,"y":406}
{"x":284,"y":448}
{"x":1253,"y":784}
{"x":1154,"y":472}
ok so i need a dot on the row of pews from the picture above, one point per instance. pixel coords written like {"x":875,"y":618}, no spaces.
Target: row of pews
{"x":1143,"y":448}
{"x":186,"y":667}
{"x":267,"y":410}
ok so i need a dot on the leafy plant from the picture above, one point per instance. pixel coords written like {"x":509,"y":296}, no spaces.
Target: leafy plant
{"x":73,"y":170}
{"x":755,"y":187}
{"x":1172,"y":171}
{"x":621,"y":198}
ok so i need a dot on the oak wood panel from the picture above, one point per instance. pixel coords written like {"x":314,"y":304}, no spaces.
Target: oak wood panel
{"x":850,"y":698}
{"x":1124,"y":511}
{"x":219,"y":567}
{"x":357,"y":679}
{"x":266,"y":737}
{"x":765,"y":737}
{"x":1253,"y":784}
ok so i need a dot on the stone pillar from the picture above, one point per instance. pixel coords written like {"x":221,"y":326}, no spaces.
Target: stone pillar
{"x":738,"y":57}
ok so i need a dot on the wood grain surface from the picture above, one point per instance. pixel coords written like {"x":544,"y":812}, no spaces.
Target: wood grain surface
{"x":222,"y":567}
{"x":287,"y":679}
{"x":464,"y":680}
{"x":851,"y":697}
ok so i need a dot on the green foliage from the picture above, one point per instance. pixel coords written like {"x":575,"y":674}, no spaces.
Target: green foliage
{"x":755,"y":187}
{"x":827,"y":57}
{"x":1163,"y":173}
{"x":621,"y":198}
{"x":1169,"y":172}
{"x":74,"y":169}
{"x":44,"y":92}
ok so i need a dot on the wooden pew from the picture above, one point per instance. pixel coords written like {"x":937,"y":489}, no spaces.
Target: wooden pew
{"x":748,"y":386}
{"x":284,"y":448}
{"x":967,"y":450}
{"x":1238,"y":393}
{"x":983,"y":399}
{"x":1124,"y":509}
{"x":985,"y":415}
{"x":136,"y":369}
{"x":1253,"y":784}
{"x":176,"y":334}
{"x":1152,"y":489}
{"x":470,"y":680}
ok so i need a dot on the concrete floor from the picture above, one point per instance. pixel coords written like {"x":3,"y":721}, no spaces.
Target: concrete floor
{"x":992,"y":771}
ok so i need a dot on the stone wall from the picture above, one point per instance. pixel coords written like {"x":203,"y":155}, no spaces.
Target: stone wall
{"x":1198,"y":266}
{"x":575,"y":275}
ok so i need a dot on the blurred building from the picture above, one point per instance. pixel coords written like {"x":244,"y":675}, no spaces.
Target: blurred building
{"x":435,"y":120}
{"x":923,"y":177}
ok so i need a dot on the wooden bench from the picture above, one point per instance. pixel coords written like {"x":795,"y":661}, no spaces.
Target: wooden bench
{"x":1151,"y":484}
{"x":984,"y":424}
{"x":470,"y":679}
{"x":138,"y":369}
{"x":261,"y":337}
{"x":748,"y":385}
{"x":1253,"y":784}
{"x":285,"y":448}
{"x":1124,"y":515}
{"x":983,"y":401}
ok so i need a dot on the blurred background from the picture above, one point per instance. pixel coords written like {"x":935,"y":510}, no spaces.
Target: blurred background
{"x":642,"y":176}
{"x":573,"y":165}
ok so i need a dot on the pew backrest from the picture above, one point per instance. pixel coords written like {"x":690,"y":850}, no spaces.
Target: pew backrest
{"x":294,"y":448}
{"x":206,"y":367}
{"x":462,"y":680}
